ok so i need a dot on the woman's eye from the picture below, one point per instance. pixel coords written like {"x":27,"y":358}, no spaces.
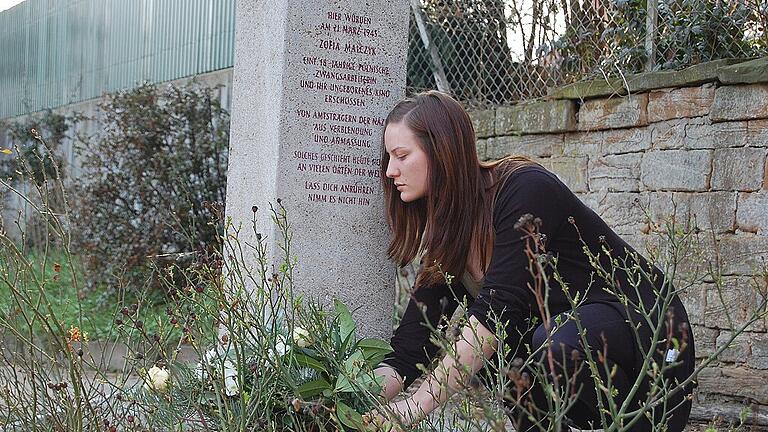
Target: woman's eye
{"x":400,"y":157}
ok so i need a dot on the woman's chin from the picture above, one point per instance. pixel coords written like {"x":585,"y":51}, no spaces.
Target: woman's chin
{"x":405,"y":197}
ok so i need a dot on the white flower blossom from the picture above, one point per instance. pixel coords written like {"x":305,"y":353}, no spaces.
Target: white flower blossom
{"x":301,"y":337}
{"x":217,"y":361}
{"x":157,"y":379}
{"x":281,"y":348}
{"x":230,"y":378}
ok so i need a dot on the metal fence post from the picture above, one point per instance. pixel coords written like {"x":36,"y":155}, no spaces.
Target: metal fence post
{"x":651,"y":20}
{"x":437,"y":65}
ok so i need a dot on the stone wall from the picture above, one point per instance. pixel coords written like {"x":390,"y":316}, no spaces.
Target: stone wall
{"x":695,"y":147}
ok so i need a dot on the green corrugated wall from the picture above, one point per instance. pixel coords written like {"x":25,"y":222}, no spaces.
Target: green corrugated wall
{"x":58,"y":52}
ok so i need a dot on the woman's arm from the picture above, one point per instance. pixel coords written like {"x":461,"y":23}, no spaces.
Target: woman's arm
{"x":476,"y":344}
{"x":393,"y":382}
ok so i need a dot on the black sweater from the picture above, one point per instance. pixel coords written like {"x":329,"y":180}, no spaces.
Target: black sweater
{"x":568,"y":226}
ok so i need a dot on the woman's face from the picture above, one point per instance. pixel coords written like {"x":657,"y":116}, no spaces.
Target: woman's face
{"x":408,"y":164}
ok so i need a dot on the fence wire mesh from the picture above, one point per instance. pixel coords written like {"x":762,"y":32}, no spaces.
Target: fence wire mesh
{"x":492,"y":52}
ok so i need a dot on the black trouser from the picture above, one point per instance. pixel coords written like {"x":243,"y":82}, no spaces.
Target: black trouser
{"x":608,"y":333}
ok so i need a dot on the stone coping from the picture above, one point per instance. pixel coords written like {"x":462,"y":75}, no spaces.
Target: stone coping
{"x":727,"y":71}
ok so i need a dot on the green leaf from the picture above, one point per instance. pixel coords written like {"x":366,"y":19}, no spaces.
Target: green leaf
{"x":348,"y":416}
{"x":354,"y":363}
{"x":307,"y":361}
{"x":372,"y":343}
{"x":313,"y":388}
{"x":343,"y":385}
{"x":374,"y":350}
{"x":346,"y":323}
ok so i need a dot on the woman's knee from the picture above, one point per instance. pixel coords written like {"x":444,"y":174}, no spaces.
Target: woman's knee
{"x":562,"y":342}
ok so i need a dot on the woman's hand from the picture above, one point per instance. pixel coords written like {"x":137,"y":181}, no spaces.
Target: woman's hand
{"x":375,"y":422}
{"x":402,"y":414}
{"x":406,"y":412}
{"x":476,"y":344}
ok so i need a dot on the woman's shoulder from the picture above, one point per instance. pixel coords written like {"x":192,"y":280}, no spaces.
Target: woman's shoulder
{"x":534,"y":181}
{"x":533,"y":190}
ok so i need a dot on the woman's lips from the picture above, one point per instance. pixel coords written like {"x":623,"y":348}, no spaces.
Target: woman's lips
{"x":399,"y":186}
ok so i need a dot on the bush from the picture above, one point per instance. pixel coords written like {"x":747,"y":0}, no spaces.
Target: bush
{"x":154,"y":177}
{"x":25,"y":148}
{"x":34,"y":159}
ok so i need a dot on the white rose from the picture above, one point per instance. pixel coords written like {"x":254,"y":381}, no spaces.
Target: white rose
{"x":157,"y":379}
{"x":301,"y":337}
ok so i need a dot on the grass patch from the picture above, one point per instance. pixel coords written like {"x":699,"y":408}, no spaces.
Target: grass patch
{"x":53,"y":280}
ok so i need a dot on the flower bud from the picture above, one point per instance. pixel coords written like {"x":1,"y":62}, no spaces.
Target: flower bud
{"x":157,"y":379}
{"x":301,"y":337}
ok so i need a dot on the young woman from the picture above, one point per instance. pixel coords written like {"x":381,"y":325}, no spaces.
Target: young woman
{"x":465,"y":216}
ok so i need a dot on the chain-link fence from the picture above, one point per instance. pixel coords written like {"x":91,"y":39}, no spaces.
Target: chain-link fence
{"x":491,"y":52}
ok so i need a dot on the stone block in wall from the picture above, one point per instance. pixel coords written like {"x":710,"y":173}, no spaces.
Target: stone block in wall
{"x":618,"y":141}
{"x":740,"y":102}
{"x":536,"y":117}
{"x":694,"y":299}
{"x":481,"y":146}
{"x":683,"y":102}
{"x":733,"y":303}
{"x":570,"y":170}
{"x":622,"y":211}
{"x":638,"y":242}
{"x":757,"y":133}
{"x":694,"y":75}
{"x":589,"y":89}
{"x":615,"y":173}
{"x":484,"y":122}
{"x":743,"y":254}
{"x":614,"y":113}
{"x":754,"y":71}
{"x":740,"y":169}
{"x":669,"y":134}
{"x":708,"y":211}
{"x":759,"y":357}
{"x":704,"y":339}
{"x":701,"y":134}
{"x":711,"y":211}
{"x":583,"y":143}
{"x":752,"y":213}
{"x":733,"y":380}
{"x":681,"y":170}
{"x":739,"y":349}
{"x":545,"y":145}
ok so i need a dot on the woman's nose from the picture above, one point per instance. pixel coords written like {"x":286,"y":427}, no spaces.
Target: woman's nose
{"x":391,"y":169}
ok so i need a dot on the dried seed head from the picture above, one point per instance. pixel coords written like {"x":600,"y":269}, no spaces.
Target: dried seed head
{"x":296,"y":404}
{"x":575,"y":355}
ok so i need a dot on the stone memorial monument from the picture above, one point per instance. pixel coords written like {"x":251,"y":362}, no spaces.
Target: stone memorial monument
{"x":313,"y":82}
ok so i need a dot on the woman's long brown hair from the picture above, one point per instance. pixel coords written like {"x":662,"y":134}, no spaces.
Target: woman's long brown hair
{"x":456,"y":215}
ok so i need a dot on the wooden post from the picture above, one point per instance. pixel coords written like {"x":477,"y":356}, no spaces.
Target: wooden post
{"x":437,"y":64}
{"x":651,"y":20}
